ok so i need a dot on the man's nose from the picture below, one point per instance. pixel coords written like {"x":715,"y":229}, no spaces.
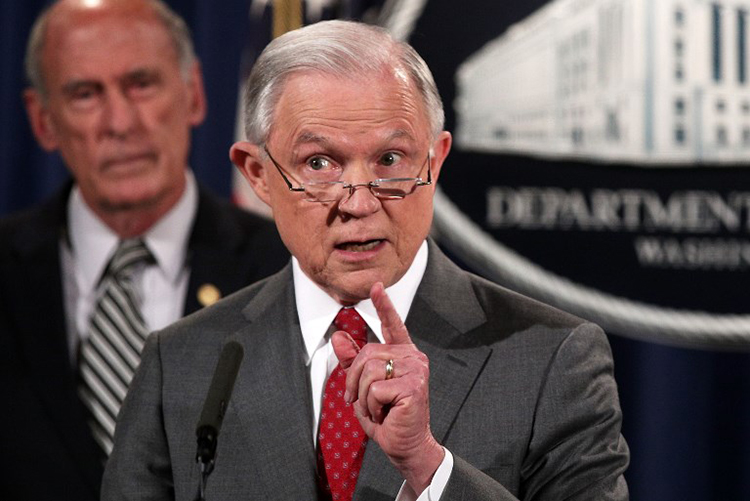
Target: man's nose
{"x":359,"y":201}
{"x":121,"y":115}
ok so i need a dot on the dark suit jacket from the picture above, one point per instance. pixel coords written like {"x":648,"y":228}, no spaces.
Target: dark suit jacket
{"x":522,"y":394}
{"x":48,"y":453}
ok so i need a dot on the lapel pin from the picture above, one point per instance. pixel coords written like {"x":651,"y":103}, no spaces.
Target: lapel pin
{"x":208,"y":294}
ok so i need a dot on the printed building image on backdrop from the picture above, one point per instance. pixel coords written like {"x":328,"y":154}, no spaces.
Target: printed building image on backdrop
{"x":635,"y":81}
{"x":609,"y":143}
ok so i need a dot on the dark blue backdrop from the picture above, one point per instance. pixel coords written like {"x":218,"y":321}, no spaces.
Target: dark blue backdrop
{"x":687,"y":412}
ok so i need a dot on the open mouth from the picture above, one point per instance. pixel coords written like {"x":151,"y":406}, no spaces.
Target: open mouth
{"x":359,"y":246}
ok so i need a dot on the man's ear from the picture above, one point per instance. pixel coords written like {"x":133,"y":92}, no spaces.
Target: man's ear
{"x":40,"y":120}
{"x":440,"y":149}
{"x":197,"y":95}
{"x":247,"y":157}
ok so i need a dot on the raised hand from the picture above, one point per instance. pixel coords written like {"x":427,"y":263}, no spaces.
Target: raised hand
{"x":395,"y":411}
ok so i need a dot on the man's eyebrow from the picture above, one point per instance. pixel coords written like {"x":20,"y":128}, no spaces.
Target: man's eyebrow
{"x":311,"y":137}
{"x":399,"y":134}
{"x":140,"y":73}
{"x":74,"y":85}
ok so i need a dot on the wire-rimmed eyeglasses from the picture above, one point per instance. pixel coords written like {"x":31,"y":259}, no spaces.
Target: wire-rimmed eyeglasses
{"x":336,"y":191}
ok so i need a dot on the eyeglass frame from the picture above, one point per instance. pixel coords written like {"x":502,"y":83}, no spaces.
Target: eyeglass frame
{"x":353,"y":186}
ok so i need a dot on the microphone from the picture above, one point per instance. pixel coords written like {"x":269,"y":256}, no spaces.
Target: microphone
{"x":216,"y":403}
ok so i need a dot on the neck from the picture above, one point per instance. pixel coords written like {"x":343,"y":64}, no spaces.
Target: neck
{"x":130,"y":225}
{"x":133,"y":220}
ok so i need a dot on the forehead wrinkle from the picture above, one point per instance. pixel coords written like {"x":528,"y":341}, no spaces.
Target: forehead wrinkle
{"x":314,"y":138}
{"x":392,"y":114}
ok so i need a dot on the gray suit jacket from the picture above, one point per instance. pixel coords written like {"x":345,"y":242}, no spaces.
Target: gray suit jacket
{"x":522,"y":394}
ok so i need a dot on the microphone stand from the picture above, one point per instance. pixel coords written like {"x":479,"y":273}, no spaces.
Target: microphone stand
{"x":214,"y":409}
{"x":206,"y":469}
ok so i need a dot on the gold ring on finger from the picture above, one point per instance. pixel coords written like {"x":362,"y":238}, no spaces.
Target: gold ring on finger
{"x":389,"y":369}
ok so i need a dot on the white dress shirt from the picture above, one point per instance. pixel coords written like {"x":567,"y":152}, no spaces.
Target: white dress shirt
{"x":316,"y":310}
{"x":91,"y":244}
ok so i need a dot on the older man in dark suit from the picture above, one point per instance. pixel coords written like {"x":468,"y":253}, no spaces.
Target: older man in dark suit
{"x":480,"y":394}
{"x":116,"y":90}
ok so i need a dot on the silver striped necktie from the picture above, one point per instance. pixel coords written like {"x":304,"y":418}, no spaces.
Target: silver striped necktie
{"x":112,"y":351}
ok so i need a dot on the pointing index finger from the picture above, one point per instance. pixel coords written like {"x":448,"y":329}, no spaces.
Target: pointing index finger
{"x":394,"y":330}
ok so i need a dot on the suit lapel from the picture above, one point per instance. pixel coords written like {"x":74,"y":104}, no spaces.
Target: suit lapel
{"x":212,"y":255}
{"x":275,"y":407}
{"x":439,"y":321}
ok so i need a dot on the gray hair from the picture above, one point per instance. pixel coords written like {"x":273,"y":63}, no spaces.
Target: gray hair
{"x":176,"y":28}
{"x":339,"y":48}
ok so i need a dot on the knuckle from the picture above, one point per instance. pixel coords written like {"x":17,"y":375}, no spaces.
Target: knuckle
{"x":366,"y":350}
{"x":372,"y":364}
{"x":376,"y":390}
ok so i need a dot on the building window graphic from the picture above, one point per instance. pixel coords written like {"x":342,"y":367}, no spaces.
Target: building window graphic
{"x":742,"y":46}
{"x":679,"y":106}
{"x":716,"y":41}
{"x":721,"y":136}
{"x":635,"y":81}
{"x":679,"y":135}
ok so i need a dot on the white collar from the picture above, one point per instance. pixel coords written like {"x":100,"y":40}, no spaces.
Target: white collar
{"x":93,"y":243}
{"x":316,"y":309}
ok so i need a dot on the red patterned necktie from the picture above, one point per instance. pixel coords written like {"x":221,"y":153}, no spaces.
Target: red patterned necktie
{"x":341,"y":440}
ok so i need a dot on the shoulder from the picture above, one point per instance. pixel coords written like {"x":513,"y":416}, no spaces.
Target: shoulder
{"x":448,"y":287}
{"x":486,"y":314}
{"x":520,"y":312}
{"x":218,"y":219}
{"x":532,"y":325}
{"x":242,"y":246}
{"x":219,"y":211}
{"x":39,"y":225}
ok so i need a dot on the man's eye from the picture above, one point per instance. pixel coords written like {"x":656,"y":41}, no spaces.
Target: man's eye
{"x":142,"y":85}
{"x":83,"y":94}
{"x":318,"y":163}
{"x":84,"y":97}
{"x":390,"y":158}
{"x":143,"y":82}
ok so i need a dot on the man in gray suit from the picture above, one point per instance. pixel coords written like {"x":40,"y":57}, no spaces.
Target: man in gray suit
{"x":480,"y":394}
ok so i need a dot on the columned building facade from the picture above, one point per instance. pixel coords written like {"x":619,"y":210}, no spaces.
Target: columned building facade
{"x":634,"y":81}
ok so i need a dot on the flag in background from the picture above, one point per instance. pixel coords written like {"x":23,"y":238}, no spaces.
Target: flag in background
{"x":269,"y":19}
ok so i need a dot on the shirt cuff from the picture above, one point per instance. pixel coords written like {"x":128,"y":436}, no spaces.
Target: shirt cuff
{"x":436,"y":487}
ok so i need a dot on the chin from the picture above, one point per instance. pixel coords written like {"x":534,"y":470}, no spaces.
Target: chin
{"x":351,"y":293}
{"x":359,"y":290}
{"x":131,"y":202}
